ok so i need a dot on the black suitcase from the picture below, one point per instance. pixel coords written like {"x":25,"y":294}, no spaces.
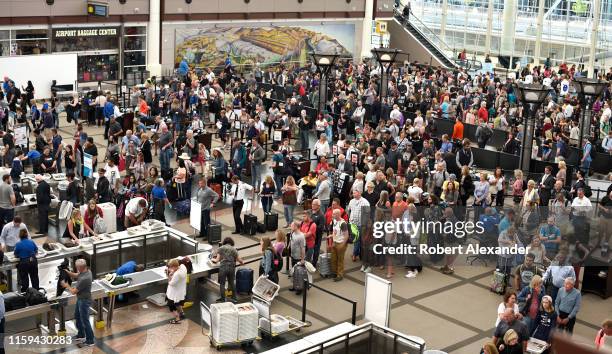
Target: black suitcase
{"x":35,"y":297}
{"x":271,"y":221}
{"x":244,"y":281}
{"x":14,"y":301}
{"x":261,"y":228}
{"x":250,"y":224}
{"x":214,"y":233}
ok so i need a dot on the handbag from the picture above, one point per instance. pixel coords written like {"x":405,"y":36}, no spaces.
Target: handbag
{"x":289,"y":198}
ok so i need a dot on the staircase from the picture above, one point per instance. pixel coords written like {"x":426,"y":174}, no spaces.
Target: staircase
{"x":428,"y":39}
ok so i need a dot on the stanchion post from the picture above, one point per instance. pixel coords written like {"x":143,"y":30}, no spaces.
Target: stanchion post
{"x":304,"y":291}
{"x":354,"y":314}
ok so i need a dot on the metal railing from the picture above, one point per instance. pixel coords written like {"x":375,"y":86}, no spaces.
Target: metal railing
{"x":429,"y":35}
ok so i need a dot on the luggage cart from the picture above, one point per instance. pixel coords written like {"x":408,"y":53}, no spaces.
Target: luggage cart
{"x":205,"y":317}
{"x":264,"y":292}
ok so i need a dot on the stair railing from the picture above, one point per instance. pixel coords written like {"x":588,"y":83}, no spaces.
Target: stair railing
{"x":428,"y":34}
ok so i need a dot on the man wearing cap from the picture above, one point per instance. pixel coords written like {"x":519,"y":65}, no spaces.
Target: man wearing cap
{"x":43,"y":201}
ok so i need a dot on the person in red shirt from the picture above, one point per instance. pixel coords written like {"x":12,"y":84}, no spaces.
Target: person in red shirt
{"x":458,"y":130}
{"x":309,"y":229}
{"x":483,"y":113}
{"x":335,"y":205}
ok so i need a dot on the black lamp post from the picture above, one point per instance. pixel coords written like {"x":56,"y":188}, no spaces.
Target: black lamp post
{"x":324,"y":63}
{"x":588,"y":90}
{"x":385,"y":57}
{"x":531,"y":97}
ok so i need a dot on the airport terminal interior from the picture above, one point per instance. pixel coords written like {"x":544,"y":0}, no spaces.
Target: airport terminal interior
{"x":306,"y":176}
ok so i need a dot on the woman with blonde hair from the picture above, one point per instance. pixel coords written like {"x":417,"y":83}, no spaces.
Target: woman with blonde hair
{"x":489,"y":348}
{"x":531,"y":298}
{"x":177,"y":289}
{"x":518,"y":187}
{"x":562,"y":173}
{"x":268,"y":188}
{"x":73,"y":229}
{"x":289,"y":197}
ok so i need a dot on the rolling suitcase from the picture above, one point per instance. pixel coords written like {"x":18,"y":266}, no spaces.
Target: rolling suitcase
{"x":271,"y":221}
{"x":299,"y":275}
{"x":250,"y":222}
{"x":244,"y":281}
{"x":214,"y":231}
{"x":324,"y":264}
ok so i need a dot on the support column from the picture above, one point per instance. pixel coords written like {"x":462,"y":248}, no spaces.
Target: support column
{"x":154,"y":34}
{"x":508,"y":27}
{"x":489,"y":27}
{"x":366,"y":40}
{"x":594,"y":37}
{"x":539,"y":29}
{"x":528,"y":138}
{"x":443,"y":20}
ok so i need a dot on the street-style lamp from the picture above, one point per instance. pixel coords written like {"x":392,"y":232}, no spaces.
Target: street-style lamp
{"x":531,"y":97}
{"x":588,"y":90}
{"x":324,"y":63}
{"x":385,"y":58}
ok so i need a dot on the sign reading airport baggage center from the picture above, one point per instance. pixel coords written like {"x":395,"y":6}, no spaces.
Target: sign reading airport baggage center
{"x":85,"y":32}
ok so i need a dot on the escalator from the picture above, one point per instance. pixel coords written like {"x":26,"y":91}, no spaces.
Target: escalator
{"x":428,"y":39}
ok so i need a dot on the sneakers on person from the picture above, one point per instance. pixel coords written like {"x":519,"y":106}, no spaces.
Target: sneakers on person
{"x":78,"y":339}
{"x":368,"y":270}
{"x":338,"y":278}
{"x":363,"y":267}
{"x":410,"y":275}
{"x":416,"y":272}
{"x":86,"y":345}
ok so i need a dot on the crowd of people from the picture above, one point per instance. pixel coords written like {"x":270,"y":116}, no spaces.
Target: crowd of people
{"x":400,"y":167}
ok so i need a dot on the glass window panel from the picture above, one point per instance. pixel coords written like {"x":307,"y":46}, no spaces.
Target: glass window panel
{"x":98,"y":67}
{"x":30,"y":34}
{"x":135,"y":43}
{"x":135,"y":58}
{"x":138,"y":30}
{"x":5,"y":49}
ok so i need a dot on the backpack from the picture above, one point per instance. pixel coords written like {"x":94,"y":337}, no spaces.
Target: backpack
{"x":35,"y":297}
{"x":353,"y":233}
{"x":18,"y":195}
{"x":587,"y":191}
{"x":277,"y":261}
{"x":16,"y":169}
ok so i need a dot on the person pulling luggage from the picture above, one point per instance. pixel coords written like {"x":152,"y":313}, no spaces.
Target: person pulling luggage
{"x":227,"y":256}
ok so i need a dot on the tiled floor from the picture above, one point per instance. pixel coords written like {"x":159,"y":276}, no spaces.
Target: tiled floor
{"x":453,"y":313}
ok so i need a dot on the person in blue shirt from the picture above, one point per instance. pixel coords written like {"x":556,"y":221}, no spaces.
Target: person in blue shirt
{"x":129,"y":268}
{"x":550,"y":235}
{"x":490,"y":221}
{"x":160,"y":199}
{"x":507,"y":220}
{"x":446,"y":146}
{"x":183,"y":68}
{"x":585,"y":162}
{"x":25,"y":251}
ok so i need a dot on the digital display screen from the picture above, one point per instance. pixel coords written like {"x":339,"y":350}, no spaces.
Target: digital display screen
{"x":97,"y":10}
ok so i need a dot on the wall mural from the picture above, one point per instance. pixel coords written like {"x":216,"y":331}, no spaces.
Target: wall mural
{"x":209,"y":47}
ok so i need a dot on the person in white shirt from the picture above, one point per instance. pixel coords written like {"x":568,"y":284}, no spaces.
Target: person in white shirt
{"x":415,"y":191}
{"x":359,"y":114}
{"x":177,"y":289}
{"x":238,"y":194}
{"x":395,"y":113}
{"x":606,"y":143}
{"x":322,"y":146}
{"x":112,"y":174}
{"x":568,"y":111}
{"x":135,"y":211}
{"x":339,"y":244}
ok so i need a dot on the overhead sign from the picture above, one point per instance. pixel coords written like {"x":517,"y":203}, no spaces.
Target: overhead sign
{"x":381,"y":27}
{"x":85,"y":32}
